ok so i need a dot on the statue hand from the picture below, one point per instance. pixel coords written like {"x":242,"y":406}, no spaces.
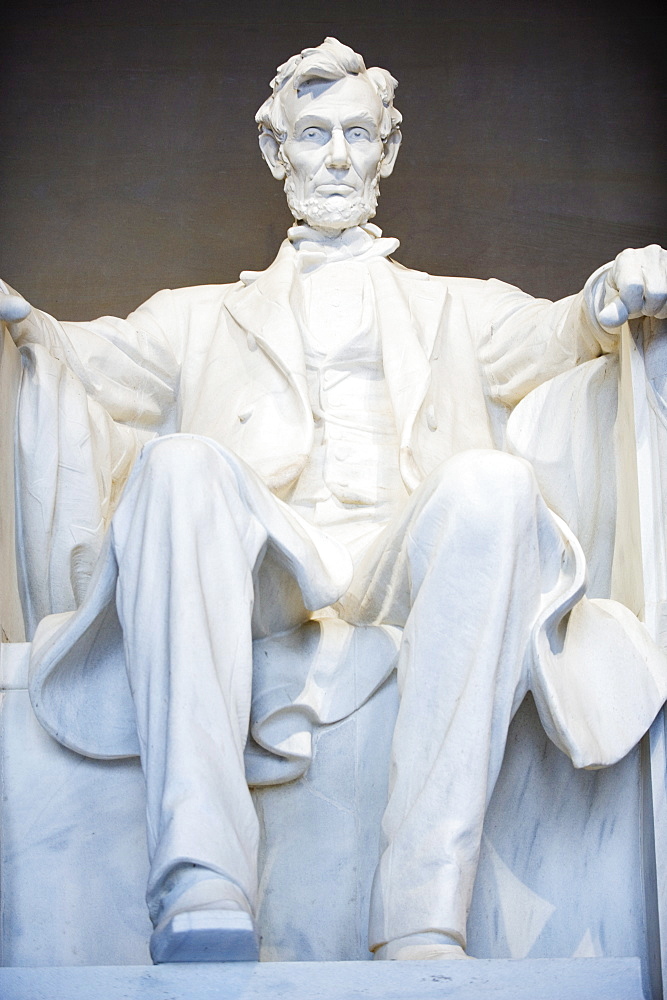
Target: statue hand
{"x":635,"y":285}
{"x":13,"y":307}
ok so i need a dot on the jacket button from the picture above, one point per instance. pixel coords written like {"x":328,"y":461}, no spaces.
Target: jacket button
{"x":431,"y":419}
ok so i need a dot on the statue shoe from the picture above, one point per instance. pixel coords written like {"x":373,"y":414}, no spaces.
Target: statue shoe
{"x":199,"y":928}
{"x":430,"y":947}
{"x":426,"y":953}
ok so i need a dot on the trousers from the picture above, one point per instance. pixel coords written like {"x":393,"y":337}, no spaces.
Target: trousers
{"x":464,"y":569}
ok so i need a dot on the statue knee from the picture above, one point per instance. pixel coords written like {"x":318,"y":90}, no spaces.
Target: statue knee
{"x":183,"y":461}
{"x":485,"y":482}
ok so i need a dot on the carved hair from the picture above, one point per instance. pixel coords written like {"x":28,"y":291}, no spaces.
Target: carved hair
{"x":329,"y":61}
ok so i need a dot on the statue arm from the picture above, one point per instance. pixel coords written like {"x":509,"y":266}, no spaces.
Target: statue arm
{"x":90,"y":395}
{"x":129,"y":366}
{"x":524,"y":341}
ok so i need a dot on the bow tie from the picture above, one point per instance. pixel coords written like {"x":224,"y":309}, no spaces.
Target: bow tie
{"x":314,"y":249}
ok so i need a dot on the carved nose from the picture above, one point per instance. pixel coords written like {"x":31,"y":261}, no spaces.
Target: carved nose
{"x":338,"y":156}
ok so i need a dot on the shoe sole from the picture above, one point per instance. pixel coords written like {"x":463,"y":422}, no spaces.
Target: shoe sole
{"x":206,"y":936}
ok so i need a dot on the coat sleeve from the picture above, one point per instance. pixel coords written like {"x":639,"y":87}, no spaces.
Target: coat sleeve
{"x":524,"y":341}
{"x":90,"y":395}
{"x":130,"y":366}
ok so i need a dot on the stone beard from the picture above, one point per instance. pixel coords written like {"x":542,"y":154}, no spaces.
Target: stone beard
{"x":317,"y":211}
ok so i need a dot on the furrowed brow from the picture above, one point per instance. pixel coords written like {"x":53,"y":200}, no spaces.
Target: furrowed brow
{"x":360,"y":118}
{"x":306,"y":121}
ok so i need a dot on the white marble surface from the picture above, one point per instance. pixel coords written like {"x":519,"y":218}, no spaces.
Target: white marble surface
{"x":559,"y":874}
{"x":328,"y":435}
{"x":592,"y":979}
{"x":74,"y":863}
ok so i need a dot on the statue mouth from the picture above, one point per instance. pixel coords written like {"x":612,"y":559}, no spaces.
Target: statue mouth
{"x":329,"y":189}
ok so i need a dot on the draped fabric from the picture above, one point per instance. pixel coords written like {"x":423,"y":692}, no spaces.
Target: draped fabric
{"x":228,"y":362}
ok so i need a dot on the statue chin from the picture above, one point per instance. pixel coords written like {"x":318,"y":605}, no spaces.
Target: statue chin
{"x":317,"y":213}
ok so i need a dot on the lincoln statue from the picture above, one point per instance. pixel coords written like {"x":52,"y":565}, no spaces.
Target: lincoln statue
{"x":318,"y":452}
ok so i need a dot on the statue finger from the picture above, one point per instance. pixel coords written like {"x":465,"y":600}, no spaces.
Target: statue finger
{"x":614,"y":313}
{"x":655,"y":284}
{"x":13,"y":308}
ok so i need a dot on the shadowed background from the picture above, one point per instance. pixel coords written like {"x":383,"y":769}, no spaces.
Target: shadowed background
{"x":534,"y":139}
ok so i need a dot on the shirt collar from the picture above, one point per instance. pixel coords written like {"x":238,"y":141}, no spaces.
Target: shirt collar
{"x":314,"y":248}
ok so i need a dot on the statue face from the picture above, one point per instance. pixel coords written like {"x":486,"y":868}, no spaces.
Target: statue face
{"x":333,"y":152}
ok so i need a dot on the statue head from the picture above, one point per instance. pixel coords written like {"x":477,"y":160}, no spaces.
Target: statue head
{"x":330,"y":131}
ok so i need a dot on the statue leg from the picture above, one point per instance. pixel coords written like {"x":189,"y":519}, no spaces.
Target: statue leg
{"x":188,"y":547}
{"x":465,"y":570}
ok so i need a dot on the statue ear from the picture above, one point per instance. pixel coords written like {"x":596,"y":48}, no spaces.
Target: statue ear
{"x":391,"y":147}
{"x":270,"y":148}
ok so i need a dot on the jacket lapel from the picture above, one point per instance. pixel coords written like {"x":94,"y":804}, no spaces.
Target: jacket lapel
{"x":405,"y":360}
{"x":263,"y":310}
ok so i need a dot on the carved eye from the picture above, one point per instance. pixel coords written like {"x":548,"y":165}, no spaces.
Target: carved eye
{"x":314,"y":134}
{"x":357,"y":134}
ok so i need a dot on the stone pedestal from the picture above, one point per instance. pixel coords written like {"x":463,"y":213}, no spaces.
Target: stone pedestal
{"x":561,"y":877}
{"x":573,"y":979}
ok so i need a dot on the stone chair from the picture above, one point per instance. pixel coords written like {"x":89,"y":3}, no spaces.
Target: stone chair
{"x":573,"y":863}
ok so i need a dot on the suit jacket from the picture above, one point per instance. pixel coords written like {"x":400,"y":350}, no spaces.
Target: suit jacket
{"x":227,"y":362}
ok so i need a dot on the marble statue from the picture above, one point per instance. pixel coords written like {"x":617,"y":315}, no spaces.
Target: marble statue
{"x":319,"y":453}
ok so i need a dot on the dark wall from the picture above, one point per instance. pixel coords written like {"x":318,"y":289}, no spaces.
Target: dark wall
{"x":534,"y":139}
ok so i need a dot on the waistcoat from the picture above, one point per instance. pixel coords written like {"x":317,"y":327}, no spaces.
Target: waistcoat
{"x":352,"y":475}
